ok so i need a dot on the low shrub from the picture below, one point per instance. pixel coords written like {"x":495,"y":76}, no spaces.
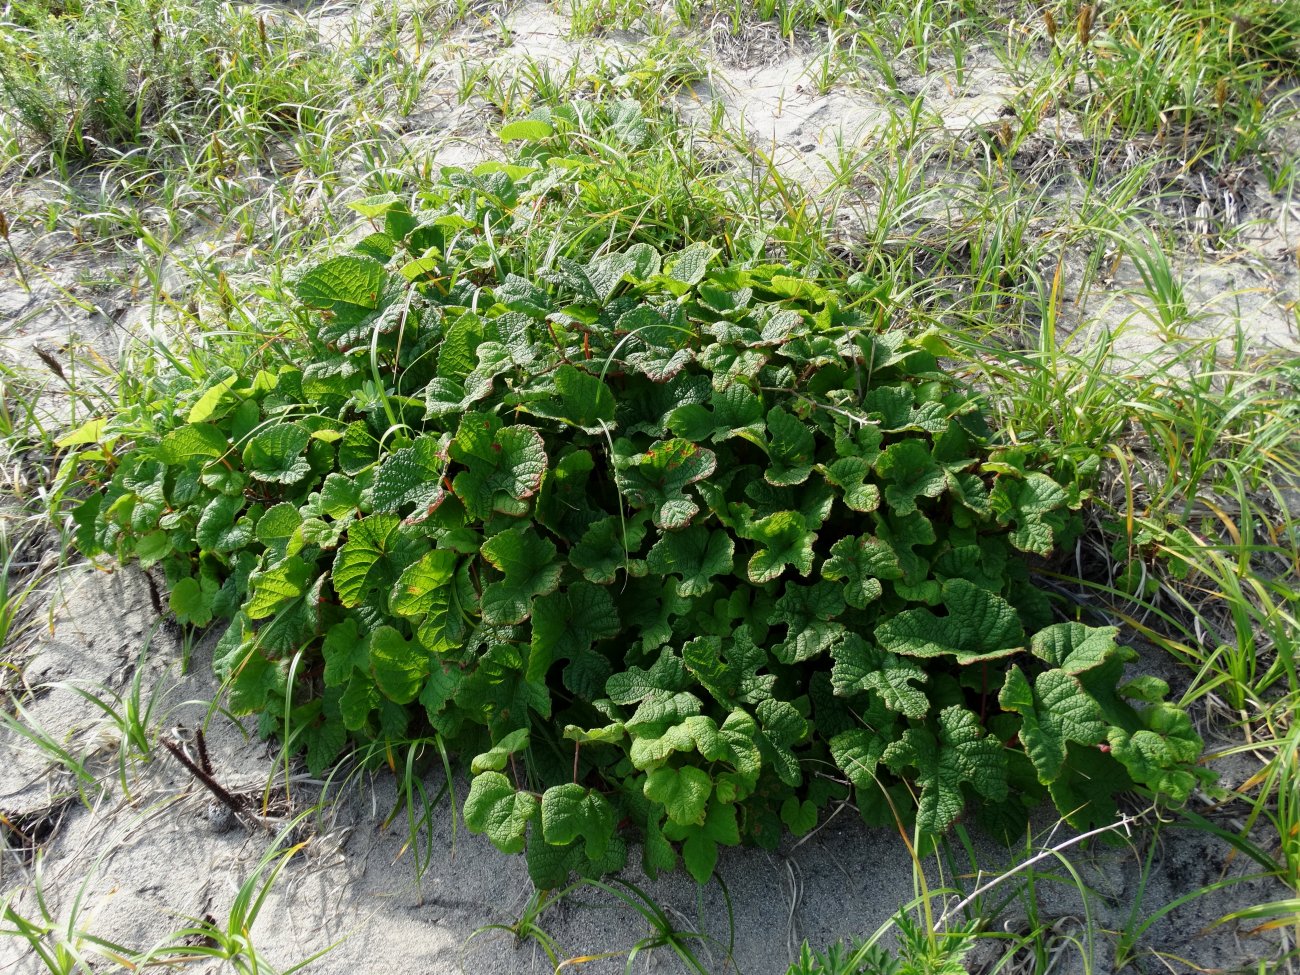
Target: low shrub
{"x":666,"y":541}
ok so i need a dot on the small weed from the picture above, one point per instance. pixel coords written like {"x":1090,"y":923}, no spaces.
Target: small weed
{"x":62,"y":947}
{"x":60,"y":753}
{"x":129,"y":714}
{"x":230,"y":939}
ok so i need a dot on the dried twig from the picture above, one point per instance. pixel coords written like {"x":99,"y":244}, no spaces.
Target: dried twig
{"x":204,"y":775}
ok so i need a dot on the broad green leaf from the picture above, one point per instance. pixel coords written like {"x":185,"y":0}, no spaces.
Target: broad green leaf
{"x":984,"y":563}
{"x":694,"y":733}
{"x":627,"y":123}
{"x":496,"y":757}
{"x":211,"y":402}
{"x":410,"y":480}
{"x":294,"y":623}
{"x":657,"y":479}
{"x":970,"y":492}
{"x":376,"y":206}
{"x":1146,"y":688}
{"x":610,"y":734}
{"x":551,"y":867}
{"x":377,"y":245}
{"x":736,"y":412}
{"x":783,"y":727}
{"x":658,"y":856}
{"x":579,"y":398}
{"x":695,"y":555}
{"x":570,"y":812}
{"x":800,"y":817}
{"x":446,"y":397}
{"x":905,"y":534}
{"x":739,"y":733}
{"x":458,"y":353}
{"x":521,"y":295}
{"x":194,"y":440}
{"x":909,"y":472}
{"x":274,"y":454}
{"x":526,"y":130}
{"x":276,"y":587}
{"x":567,"y":623}
{"x":858,"y":753}
{"x":605,"y":273}
{"x":810,"y":614}
{"x":444,"y":626}
{"x":344,"y":650}
{"x":357,"y":449}
{"x":652,"y":611}
{"x":1162,"y":754}
{"x":849,"y":474}
{"x":662,"y":710}
{"x":419,"y":588}
{"x":342,"y":281}
{"x":375,"y":554}
{"x":961,"y":755}
{"x":497,"y":692}
{"x":731,"y":678}
{"x":607,"y":548}
{"x":667,"y":674}
{"x":503,"y":465}
{"x":219,"y":528}
{"x":191,"y":602}
{"x":563,"y":501}
{"x":859,"y":442}
{"x":790,"y":448}
{"x":256,"y":681}
{"x":646,"y":262}
{"x":1053,"y":712}
{"x":861,"y":666}
{"x":1085,"y":791}
{"x":690,"y":265}
{"x":357,"y":700}
{"x":861,"y":563}
{"x":731,"y":363}
{"x":1074,"y":647}
{"x":277,"y":526}
{"x":783,"y":539}
{"x":494,"y":808}
{"x":528,"y":563}
{"x":683,"y":792}
{"x":339,"y":496}
{"x":700,"y":842}
{"x":1034,"y":506}
{"x":92,"y":431}
{"x":438,"y":693}
{"x":323,"y":733}
{"x":978,"y":626}
{"x":400,"y":665}
{"x":895,"y":409}
{"x":656,"y":347}
{"x":153,"y":547}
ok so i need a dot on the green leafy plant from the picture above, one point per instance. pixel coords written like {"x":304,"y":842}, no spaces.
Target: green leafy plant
{"x":838,"y":959}
{"x":650,"y":533}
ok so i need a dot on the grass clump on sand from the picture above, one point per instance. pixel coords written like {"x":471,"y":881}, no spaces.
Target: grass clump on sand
{"x":109,"y":78}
